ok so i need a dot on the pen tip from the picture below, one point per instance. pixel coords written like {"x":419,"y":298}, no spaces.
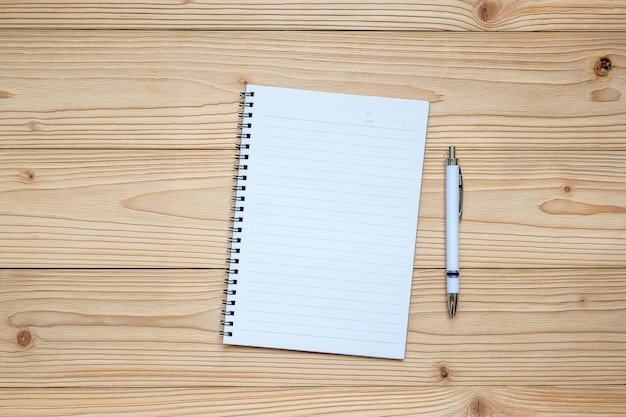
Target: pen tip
{"x":452,"y":302}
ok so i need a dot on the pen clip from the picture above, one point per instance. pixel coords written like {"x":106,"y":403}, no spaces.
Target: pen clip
{"x":460,"y":194}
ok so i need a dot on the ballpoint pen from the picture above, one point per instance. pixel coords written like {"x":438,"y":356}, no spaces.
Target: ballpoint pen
{"x":454,"y":209}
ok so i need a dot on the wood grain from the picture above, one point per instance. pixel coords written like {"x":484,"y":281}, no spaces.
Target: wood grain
{"x":115,"y":209}
{"x":391,"y":15}
{"x":478,"y":401}
{"x":110,"y":89}
{"x":115,"y":176}
{"x":163,"y":209}
{"x":159,"y":328}
{"x":529,"y":209}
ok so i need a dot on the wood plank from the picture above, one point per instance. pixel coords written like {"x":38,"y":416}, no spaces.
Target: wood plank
{"x":391,"y":15}
{"x":74,"y":208}
{"x":179,"y":90}
{"x":529,"y":209}
{"x":531,"y":401}
{"x":159,"y":328}
{"x":123,"y":209}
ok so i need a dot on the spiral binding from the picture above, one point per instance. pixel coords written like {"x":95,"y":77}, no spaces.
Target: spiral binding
{"x":237,"y":218}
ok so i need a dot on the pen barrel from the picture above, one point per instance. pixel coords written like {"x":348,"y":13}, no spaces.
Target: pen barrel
{"x":452,"y":217}
{"x":452,"y":285}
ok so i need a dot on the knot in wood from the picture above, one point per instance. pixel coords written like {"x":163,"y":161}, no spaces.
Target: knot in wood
{"x":478,"y":407}
{"x":24,"y":337}
{"x":28,"y":175}
{"x":487,"y":10}
{"x":603,"y":67}
{"x":34,"y":125}
{"x":443,"y":372}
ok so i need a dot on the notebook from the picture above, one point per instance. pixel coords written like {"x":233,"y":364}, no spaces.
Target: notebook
{"x":325,"y":220}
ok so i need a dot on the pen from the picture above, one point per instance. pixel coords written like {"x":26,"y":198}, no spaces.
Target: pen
{"x":454,"y":209}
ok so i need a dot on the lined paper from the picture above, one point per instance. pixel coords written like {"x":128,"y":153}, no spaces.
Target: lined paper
{"x":328,"y":227}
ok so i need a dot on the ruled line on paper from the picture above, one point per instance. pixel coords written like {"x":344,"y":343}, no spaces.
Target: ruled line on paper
{"x":381,"y":280}
{"x":324,"y":336}
{"x":281,"y":305}
{"x":335,"y":181}
{"x":336,"y":142}
{"x":332,"y":249}
{"x":395,"y":158}
{"x":331,"y":243}
{"x":342,"y":203}
{"x":350,"y":290}
{"x":366,"y":306}
{"x":329,"y":210}
{"x":358,"y":232}
{"x":343,"y":319}
{"x":321,"y":258}
{"x":326,"y":278}
{"x":325,"y":298}
{"x":326,"y":327}
{"x":327,"y":171}
{"x":269,"y":116}
{"x":331,"y":191}
{"x":323,"y":322}
{"x":352,"y":163}
{"x":323,"y":238}
{"x":376,"y":274}
{"x":339,"y":158}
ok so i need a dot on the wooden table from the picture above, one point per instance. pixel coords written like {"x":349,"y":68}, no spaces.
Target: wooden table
{"x":118,"y":133}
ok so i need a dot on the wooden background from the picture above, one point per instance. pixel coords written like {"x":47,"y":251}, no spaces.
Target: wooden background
{"x":118,"y":132}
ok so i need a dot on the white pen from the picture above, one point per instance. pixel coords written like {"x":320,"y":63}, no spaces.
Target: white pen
{"x":454,"y":209}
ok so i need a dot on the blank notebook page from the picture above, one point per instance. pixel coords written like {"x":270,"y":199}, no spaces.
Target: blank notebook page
{"x":325,"y":224}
